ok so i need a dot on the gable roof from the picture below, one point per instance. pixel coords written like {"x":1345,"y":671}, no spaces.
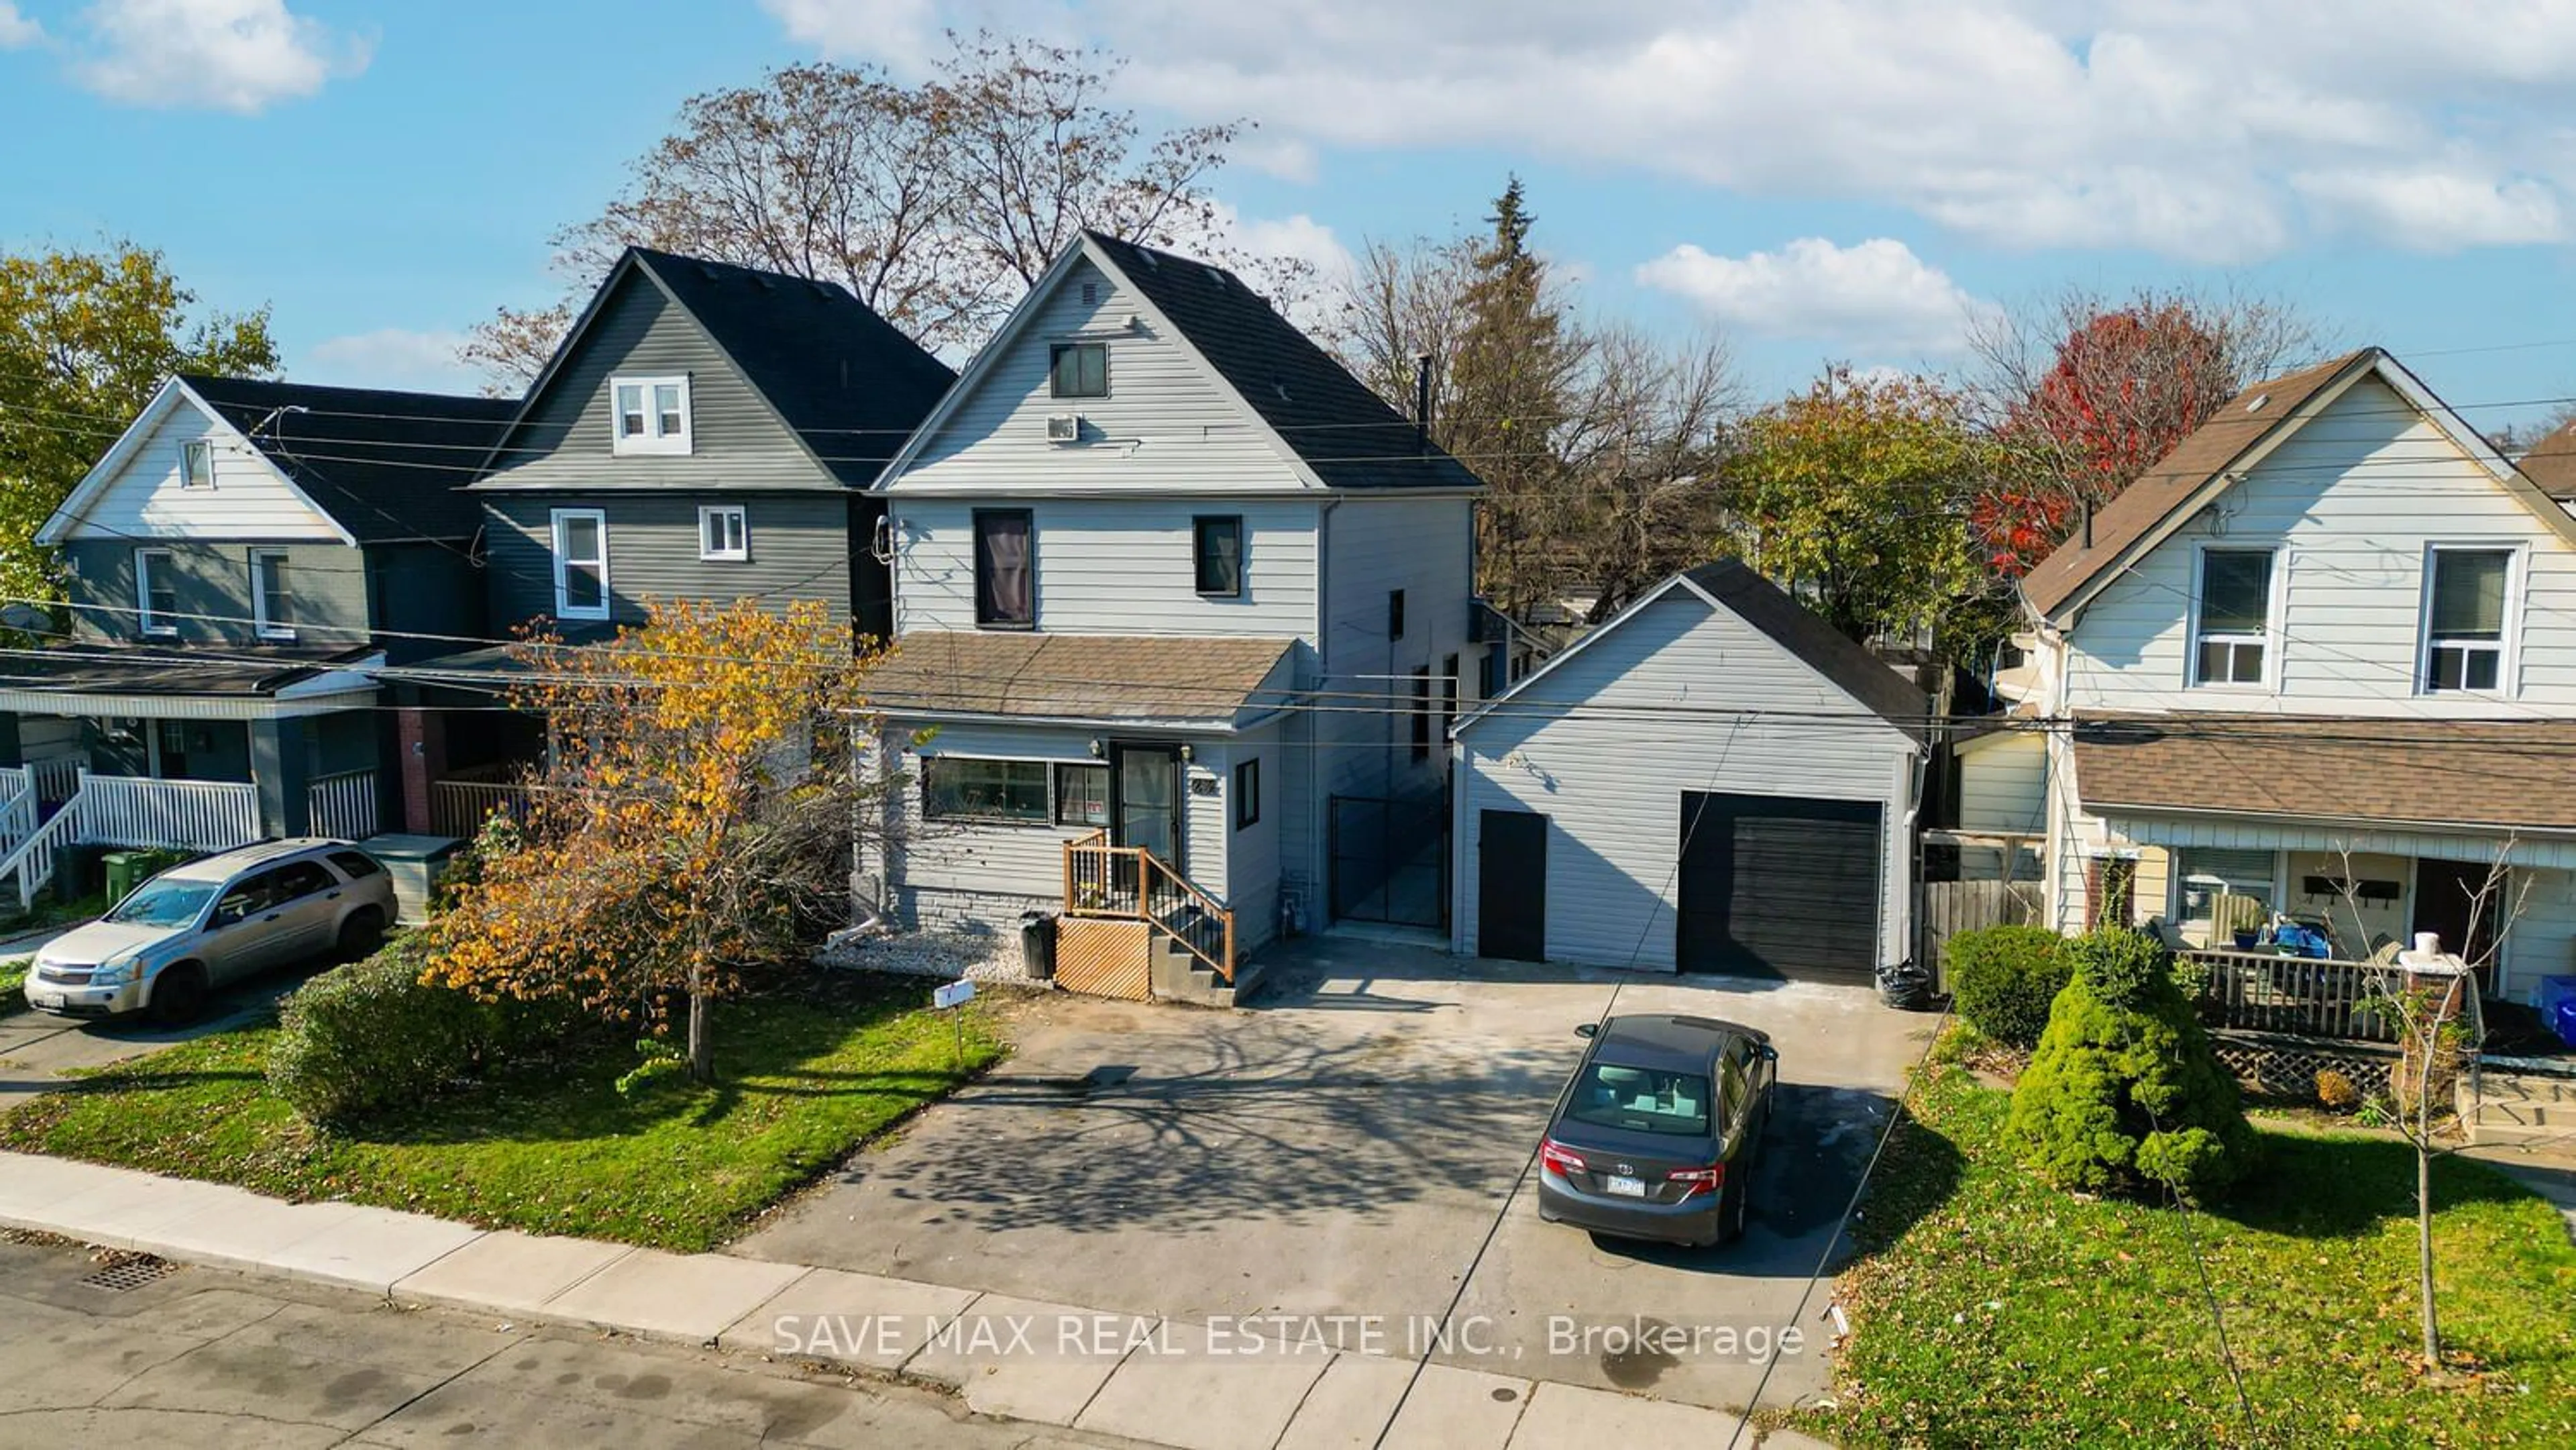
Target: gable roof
{"x":1333,"y":429}
{"x":386,"y":465}
{"x":849,"y":385}
{"x":1734,"y":587}
{"x":2551,"y":464}
{"x":2244,"y":428}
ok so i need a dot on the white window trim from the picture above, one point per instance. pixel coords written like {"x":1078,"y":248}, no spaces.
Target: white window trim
{"x":557,"y":518}
{"x":268,"y":628}
{"x":653,"y":440}
{"x":144,"y":619}
{"x":2176,"y":886}
{"x":185,"y":447}
{"x":739,"y":553}
{"x":2516,"y":573}
{"x":2275,"y":590}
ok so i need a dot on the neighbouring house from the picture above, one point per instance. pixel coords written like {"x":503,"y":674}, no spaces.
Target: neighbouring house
{"x":2320,"y":661}
{"x":704,"y":432}
{"x":1181,"y":610}
{"x":236,"y":567}
{"x":1715,"y":780}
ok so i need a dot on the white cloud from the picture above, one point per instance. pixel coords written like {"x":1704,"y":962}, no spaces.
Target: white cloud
{"x":392,"y":357}
{"x":1876,"y":295}
{"x":226,"y":55}
{"x":2179,"y":126}
{"x":17,"y":30}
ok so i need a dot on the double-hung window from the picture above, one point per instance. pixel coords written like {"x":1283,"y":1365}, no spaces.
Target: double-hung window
{"x":1217,"y":543}
{"x":649,"y":415}
{"x":272,"y":594}
{"x":2466,"y":606}
{"x":1247,"y":793}
{"x":581,"y":564}
{"x":1006,"y":576}
{"x":957,"y":788}
{"x":1078,"y":370}
{"x":2232,"y":633}
{"x":1082,"y":795}
{"x":724,"y":532}
{"x":156,"y":592}
{"x":197,"y":463}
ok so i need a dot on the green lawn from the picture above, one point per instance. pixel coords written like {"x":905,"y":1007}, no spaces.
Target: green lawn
{"x":13,"y":982}
{"x":1991,"y":1310}
{"x":807,"y":1076}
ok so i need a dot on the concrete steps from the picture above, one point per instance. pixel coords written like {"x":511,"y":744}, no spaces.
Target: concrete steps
{"x":1179,"y":976}
{"x":2521,"y":1105}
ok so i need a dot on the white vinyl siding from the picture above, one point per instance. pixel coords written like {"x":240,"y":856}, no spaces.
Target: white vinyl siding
{"x":1612,"y":789}
{"x":148,"y":498}
{"x":2353,"y":503}
{"x":1425,"y":548}
{"x":2003,"y":785}
{"x":1167,"y":424}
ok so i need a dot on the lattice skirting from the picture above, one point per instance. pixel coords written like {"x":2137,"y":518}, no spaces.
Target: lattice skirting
{"x":2286,"y":1068}
{"x":1104,"y":958}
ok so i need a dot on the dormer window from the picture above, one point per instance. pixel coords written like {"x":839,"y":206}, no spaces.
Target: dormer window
{"x":197,"y":463}
{"x":649,"y":415}
{"x":1079,"y":369}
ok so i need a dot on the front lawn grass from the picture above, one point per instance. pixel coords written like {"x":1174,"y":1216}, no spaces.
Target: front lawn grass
{"x":806,"y":1075}
{"x":1990,"y":1309}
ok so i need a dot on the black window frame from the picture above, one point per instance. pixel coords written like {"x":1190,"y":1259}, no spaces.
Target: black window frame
{"x":1395,"y":614}
{"x":1450,"y":688}
{"x":1202,"y":528}
{"x":1247,"y":793}
{"x":1056,"y":354}
{"x":1421,"y":713}
{"x":1055,"y":811}
{"x":932,"y":808}
{"x":988,"y":613}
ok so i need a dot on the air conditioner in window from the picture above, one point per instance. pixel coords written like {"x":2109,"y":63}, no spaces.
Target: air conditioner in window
{"x":1064,"y":427}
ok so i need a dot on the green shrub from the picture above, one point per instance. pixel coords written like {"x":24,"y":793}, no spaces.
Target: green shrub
{"x":2003,"y":978}
{"x":2124,"y":1090}
{"x":371,"y":1035}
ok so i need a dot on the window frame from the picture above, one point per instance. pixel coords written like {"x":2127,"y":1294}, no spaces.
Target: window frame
{"x":1056,"y":352}
{"x":2269,"y":640}
{"x":1422,"y":706}
{"x":563,"y":562}
{"x":738,"y":550}
{"x":148,"y":620}
{"x":1055,"y":783}
{"x":1029,"y":530}
{"x":1247,"y":793}
{"x":2506,"y":645}
{"x":1044,"y":818}
{"x":1201,"y":527}
{"x":1395,"y":614}
{"x":653,"y":441}
{"x":197,"y":448}
{"x":2178,"y":866}
{"x":269,"y":625}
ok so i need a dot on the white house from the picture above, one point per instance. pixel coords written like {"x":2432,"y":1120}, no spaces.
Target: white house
{"x":2322,"y":656}
{"x":1168,"y":579}
{"x":1713,"y":781}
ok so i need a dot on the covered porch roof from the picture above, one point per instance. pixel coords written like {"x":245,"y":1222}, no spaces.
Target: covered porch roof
{"x":1084,"y":678}
{"x":2451,"y":789}
{"x":175,"y":682}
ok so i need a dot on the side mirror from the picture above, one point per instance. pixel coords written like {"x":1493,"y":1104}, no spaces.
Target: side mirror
{"x":1766,"y":1052}
{"x":1588,"y":1029}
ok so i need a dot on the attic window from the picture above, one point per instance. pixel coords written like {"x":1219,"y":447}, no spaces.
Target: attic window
{"x":1079,"y":369}
{"x":197,"y":463}
{"x":2256,"y":406}
{"x":649,"y":415}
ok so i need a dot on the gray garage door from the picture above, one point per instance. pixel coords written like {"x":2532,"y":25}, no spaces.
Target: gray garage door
{"x":1773,"y":886}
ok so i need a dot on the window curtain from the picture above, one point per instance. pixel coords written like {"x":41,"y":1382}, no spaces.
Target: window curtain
{"x":1004,"y":542}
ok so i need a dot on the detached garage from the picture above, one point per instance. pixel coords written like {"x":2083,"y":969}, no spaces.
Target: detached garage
{"x":1715,"y":781}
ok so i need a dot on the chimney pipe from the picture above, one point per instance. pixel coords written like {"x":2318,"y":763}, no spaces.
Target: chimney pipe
{"x":1422,"y":403}
{"x":2085,"y":504}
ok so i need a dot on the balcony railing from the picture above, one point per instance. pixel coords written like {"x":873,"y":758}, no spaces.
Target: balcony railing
{"x":343,"y":805}
{"x":118,"y":810}
{"x":460,"y":807}
{"x":2297,"y":996}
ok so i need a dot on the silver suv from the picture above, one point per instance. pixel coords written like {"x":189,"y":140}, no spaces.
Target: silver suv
{"x":196,"y":927}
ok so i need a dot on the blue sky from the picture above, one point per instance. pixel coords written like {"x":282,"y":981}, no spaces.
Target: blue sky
{"x":1843,"y":179}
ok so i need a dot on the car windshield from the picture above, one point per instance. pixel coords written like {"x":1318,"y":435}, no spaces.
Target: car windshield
{"x":163,"y":903}
{"x":1640,"y":1100}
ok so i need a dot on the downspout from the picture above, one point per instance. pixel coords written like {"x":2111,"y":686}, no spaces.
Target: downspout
{"x":1317,"y":868}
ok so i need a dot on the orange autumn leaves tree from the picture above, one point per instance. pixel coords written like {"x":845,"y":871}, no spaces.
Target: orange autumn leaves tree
{"x":693,"y":815}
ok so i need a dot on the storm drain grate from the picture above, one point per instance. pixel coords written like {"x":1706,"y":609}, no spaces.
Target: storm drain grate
{"x":130,"y":1273}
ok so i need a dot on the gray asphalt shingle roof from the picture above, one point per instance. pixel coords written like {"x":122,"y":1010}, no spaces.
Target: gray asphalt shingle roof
{"x":385,"y":465}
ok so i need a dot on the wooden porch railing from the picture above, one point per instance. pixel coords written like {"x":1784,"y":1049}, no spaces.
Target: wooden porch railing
{"x":2300,"y":996}
{"x":343,"y":804}
{"x":1133,"y":884}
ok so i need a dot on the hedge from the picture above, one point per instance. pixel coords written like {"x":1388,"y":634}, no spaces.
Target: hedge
{"x":2003,"y":979}
{"x":371,"y":1035}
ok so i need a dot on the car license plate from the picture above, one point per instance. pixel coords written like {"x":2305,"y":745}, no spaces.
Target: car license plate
{"x":46,"y":999}
{"x":1624,"y":1187}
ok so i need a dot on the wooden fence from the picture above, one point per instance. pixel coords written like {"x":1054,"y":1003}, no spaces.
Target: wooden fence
{"x":1951,"y":907}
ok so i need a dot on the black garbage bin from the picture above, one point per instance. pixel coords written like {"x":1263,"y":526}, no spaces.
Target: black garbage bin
{"x":1037,"y":945}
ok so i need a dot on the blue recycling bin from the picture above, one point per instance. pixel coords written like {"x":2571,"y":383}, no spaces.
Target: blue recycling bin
{"x":2557,"y":1003}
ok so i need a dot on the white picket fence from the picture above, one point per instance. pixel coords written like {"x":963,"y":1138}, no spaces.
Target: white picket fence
{"x":343,"y":805}
{"x":116,"y":810}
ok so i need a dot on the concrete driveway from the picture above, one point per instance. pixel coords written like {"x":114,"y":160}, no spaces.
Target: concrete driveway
{"x":1355,"y":1147}
{"x":38,"y":1048}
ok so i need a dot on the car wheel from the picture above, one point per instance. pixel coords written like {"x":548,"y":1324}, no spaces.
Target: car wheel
{"x":1730,"y":1214}
{"x":361,"y":934}
{"x":179,"y":994}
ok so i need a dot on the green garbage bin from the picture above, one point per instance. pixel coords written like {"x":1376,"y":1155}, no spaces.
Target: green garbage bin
{"x":125,"y":871}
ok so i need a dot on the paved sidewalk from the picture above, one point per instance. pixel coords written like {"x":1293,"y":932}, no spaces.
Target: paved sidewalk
{"x":1229,"y":1386}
